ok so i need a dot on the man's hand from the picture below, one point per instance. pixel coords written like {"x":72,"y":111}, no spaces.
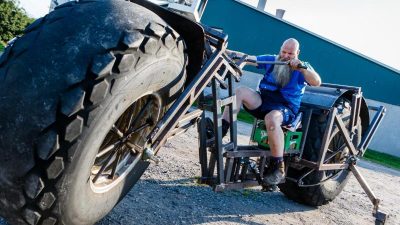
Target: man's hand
{"x":310,"y":75}
{"x":295,"y":64}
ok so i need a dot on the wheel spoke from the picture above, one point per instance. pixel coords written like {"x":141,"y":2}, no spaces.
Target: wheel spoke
{"x":132,"y":147}
{"x":139,"y":116}
{"x":342,"y":147}
{"x":108,"y":149}
{"x":131,"y":113}
{"x":130,"y":132}
{"x":117,"y":131}
{"x":104,"y":166}
{"x":115,"y":164}
{"x":330,"y":156}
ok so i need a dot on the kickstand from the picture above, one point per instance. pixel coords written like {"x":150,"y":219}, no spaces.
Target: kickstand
{"x":380,"y":217}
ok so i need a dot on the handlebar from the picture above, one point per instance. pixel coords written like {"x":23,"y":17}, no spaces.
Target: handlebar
{"x":301,"y":66}
{"x":243,"y":58}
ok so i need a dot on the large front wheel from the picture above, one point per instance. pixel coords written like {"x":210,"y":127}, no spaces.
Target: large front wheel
{"x":80,"y":92}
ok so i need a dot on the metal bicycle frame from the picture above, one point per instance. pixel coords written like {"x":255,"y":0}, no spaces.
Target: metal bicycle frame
{"x":348,"y":134}
{"x":215,"y":70}
{"x":217,"y":67}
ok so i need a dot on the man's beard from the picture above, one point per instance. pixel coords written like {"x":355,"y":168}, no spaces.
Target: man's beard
{"x":282,"y":74}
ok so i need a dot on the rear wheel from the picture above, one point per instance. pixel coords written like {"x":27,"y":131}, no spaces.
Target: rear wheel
{"x":80,"y":91}
{"x":320,"y":187}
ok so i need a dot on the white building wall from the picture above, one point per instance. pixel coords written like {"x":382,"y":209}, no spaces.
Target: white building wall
{"x":387,"y":138}
{"x":55,"y":3}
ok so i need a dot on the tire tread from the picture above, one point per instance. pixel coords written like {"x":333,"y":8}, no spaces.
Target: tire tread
{"x":54,"y":146}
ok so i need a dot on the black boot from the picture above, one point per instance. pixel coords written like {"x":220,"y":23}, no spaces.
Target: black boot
{"x":269,"y":188}
{"x":276,"y":174}
{"x":210,"y":128}
{"x":225,"y":127}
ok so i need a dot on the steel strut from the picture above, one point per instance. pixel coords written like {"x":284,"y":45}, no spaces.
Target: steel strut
{"x":178,"y":111}
{"x":380,"y":216}
{"x":357,"y":151}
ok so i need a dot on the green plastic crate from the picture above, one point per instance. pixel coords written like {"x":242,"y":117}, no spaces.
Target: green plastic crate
{"x":292,"y":139}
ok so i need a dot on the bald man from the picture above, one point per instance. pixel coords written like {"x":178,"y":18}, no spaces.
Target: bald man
{"x":278,"y":100}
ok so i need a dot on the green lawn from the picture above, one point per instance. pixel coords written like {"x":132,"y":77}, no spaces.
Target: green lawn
{"x":383,"y":159}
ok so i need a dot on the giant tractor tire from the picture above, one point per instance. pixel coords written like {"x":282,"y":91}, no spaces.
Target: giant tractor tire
{"x":321,"y":187}
{"x":79,"y":92}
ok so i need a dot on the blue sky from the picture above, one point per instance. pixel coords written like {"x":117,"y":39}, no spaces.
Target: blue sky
{"x":36,"y":8}
{"x":366,"y":26}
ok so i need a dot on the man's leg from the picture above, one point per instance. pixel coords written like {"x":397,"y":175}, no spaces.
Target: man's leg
{"x":273,"y":121}
{"x":244,"y":95}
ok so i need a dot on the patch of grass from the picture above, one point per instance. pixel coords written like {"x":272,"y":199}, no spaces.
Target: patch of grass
{"x":383,"y":159}
{"x":246,"y":193}
{"x":1,"y":47}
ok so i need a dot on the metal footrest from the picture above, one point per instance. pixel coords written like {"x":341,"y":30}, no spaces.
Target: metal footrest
{"x":247,"y":153}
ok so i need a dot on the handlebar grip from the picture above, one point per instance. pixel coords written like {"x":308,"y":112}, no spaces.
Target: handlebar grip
{"x":302,"y":66}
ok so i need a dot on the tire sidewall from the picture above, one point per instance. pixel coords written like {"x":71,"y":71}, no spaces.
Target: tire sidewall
{"x":79,"y":204}
{"x":332,"y":187}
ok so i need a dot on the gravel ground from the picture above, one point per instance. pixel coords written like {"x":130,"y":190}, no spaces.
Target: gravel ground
{"x":168,"y":194}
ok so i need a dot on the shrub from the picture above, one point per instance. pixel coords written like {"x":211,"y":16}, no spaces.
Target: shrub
{"x":13,"y":20}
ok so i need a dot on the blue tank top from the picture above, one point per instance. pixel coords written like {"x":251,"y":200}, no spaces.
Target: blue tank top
{"x":292,"y":92}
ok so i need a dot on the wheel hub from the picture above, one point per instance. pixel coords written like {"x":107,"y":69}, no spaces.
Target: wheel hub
{"x":122,"y":147}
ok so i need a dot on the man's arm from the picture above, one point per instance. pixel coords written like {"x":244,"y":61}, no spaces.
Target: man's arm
{"x":309,"y":74}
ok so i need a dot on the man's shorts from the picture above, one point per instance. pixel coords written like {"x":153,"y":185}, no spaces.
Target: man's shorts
{"x":272,"y":101}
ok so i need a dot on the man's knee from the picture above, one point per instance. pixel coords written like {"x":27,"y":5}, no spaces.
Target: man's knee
{"x":273,"y":120}
{"x":249,"y":97}
{"x":241,"y":91}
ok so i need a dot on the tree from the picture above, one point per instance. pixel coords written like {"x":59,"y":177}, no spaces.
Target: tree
{"x":13,"y":20}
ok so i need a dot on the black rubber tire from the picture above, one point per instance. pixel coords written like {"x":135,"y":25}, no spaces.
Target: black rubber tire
{"x":63,"y":85}
{"x":327,"y":191}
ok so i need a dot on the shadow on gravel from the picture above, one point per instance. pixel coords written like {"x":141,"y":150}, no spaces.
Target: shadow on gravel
{"x":184,"y":201}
